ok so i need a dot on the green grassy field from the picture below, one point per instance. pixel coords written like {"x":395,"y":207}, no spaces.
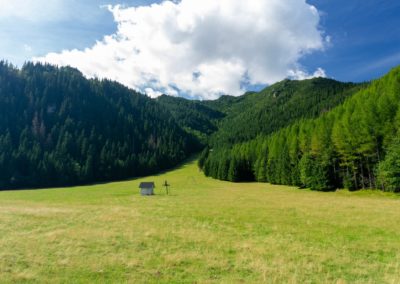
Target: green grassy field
{"x":207,"y":231}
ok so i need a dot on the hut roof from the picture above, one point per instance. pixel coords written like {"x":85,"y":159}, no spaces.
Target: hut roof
{"x":147,"y":185}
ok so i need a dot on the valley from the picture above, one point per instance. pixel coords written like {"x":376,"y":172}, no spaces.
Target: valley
{"x":205,"y":231}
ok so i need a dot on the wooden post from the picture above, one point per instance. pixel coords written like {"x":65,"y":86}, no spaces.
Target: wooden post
{"x":166,"y":187}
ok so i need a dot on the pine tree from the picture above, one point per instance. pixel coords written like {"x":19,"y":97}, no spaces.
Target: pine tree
{"x":389,"y":168}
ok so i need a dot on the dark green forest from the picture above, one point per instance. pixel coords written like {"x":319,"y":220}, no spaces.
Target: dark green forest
{"x":277,"y":106}
{"x":195,"y":117}
{"x":354,"y":145}
{"x":58,"y":129}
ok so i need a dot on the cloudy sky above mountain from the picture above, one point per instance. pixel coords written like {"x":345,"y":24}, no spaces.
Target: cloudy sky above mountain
{"x":203,"y":49}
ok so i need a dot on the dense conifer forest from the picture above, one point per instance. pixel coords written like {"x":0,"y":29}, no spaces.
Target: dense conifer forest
{"x":195,"y":117}
{"x":355,"y":145}
{"x":58,"y":128}
{"x":277,"y":106}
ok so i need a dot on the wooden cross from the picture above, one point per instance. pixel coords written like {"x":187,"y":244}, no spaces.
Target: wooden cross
{"x":166,"y":187}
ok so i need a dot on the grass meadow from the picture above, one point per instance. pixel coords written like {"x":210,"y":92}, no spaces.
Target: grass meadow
{"x":206,"y":231}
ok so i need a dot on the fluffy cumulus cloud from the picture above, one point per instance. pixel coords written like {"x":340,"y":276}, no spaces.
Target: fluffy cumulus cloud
{"x":202,"y":48}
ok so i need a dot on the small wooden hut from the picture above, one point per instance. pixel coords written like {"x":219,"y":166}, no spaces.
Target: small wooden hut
{"x":147,"y":188}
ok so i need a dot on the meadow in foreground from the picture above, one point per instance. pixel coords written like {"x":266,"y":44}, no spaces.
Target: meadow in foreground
{"x":206,"y":231}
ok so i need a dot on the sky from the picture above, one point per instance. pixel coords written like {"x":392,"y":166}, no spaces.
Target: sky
{"x":205,"y":48}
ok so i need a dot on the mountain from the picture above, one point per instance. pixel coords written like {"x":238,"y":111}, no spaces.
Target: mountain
{"x":231,"y":120}
{"x":354,"y":145}
{"x":276,"y":106}
{"x":58,"y":128}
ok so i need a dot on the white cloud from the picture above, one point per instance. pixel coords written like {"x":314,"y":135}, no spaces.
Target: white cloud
{"x":203,"y":48}
{"x":300,"y":74}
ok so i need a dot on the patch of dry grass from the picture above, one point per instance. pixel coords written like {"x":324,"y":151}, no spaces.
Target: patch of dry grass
{"x":207,"y":231}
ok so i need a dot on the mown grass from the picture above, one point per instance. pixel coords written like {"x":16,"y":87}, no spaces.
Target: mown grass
{"x":207,"y":231}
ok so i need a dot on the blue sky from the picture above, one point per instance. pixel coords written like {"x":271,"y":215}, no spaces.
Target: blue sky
{"x":78,"y":26}
{"x":365,"y":38}
{"x":361,"y":38}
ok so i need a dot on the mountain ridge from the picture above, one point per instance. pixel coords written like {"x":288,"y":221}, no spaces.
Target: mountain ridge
{"x":58,"y":128}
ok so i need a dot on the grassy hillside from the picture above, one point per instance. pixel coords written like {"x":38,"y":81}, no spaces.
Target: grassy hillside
{"x":207,"y":231}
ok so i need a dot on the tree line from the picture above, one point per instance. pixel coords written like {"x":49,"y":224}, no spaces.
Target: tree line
{"x":355,"y":145}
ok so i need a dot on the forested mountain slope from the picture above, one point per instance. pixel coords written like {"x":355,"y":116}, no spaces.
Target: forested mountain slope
{"x":58,"y":128}
{"x":355,"y":145}
{"x":231,"y":120}
{"x":195,"y":117}
{"x":277,"y":106}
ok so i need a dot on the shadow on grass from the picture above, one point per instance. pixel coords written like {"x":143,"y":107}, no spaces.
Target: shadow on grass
{"x":179,"y":166}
